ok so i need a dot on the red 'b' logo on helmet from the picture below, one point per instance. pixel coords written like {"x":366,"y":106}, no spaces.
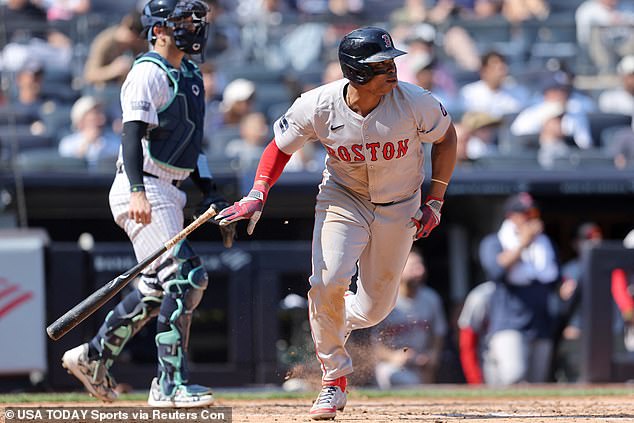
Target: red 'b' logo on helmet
{"x":387,"y":41}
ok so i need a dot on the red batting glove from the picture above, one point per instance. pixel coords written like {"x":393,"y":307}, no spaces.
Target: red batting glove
{"x":427,"y":217}
{"x":250,"y":207}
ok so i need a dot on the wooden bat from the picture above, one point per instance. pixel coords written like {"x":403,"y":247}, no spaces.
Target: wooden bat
{"x":97,"y":299}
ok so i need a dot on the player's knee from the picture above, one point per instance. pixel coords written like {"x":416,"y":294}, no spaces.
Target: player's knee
{"x":331,"y":281}
{"x":375,"y":315}
{"x":184,"y":265}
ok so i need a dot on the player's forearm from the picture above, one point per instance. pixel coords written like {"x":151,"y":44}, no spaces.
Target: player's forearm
{"x":508,"y":258}
{"x":270,"y":168}
{"x":132,"y":148}
{"x":443,"y":162}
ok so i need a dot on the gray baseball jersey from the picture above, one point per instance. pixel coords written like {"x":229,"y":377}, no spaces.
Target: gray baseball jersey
{"x":369,"y":192}
{"x":380,"y":156}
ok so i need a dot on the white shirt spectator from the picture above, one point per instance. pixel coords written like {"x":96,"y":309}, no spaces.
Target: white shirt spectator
{"x":621,"y":100}
{"x":531,"y":120}
{"x":105,"y":147}
{"x":594,"y":13}
{"x":478,"y":96}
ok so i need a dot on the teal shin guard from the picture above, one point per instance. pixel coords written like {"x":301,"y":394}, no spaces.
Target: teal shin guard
{"x":122,"y":323}
{"x":183,"y":289}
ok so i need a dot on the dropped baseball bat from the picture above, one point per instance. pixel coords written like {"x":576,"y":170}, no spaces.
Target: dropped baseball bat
{"x":97,"y":299}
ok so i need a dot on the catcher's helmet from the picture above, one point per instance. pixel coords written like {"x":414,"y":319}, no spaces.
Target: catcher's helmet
{"x":363,"y":46}
{"x":154,"y":13}
{"x":188,"y":19}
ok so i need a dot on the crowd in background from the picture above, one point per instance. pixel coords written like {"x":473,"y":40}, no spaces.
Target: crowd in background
{"x":536,"y":83}
{"x":540,"y":83}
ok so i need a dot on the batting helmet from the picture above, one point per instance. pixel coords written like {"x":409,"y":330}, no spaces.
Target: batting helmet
{"x":361,"y":47}
{"x":188,"y":19}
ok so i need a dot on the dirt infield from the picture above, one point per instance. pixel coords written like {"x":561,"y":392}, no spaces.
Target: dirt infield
{"x":437,"y":410}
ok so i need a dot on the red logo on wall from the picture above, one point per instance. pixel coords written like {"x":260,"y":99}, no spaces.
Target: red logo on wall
{"x":11,"y":297}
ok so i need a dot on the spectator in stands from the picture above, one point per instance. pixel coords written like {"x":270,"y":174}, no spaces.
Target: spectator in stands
{"x":113,"y":50}
{"x":622,"y":148}
{"x":422,"y":55}
{"x":28,"y":82}
{"x":65,"y":10}
{"x":427,"y":74}
{"x":552,"y":139}
{"x":494,"y":93}
{"x":621,"y":100}
{"x":246,"y":150}
{"x":223,"y":40}
{"x":622,"y":288}
{"x":237,"y":101}
{"x":522,"y":262}
{"x":261,"y":32}
{"x":473,"y":325}
{"x":574,"y":123}
{"x":604,"y":31}
{"x":23,"y":20}
{"x":567,"y":334}
{"x":456,"y":44}
{"x":28,"y":35}
{"x":92,"y":139}
{"x":518,"y":11}
{"x":409,"y":342}
{"x":477,"y":131}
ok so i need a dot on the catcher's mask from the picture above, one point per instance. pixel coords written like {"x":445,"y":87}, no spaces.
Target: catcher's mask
{"x":187,"y":19}
{"x":361,"y":47}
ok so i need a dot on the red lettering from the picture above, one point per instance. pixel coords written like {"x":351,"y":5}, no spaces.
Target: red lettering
{"x":343,"y":154}
{"x":402,"y":148}
{"x":388,"y":151}
{"x":331,"y":151}
{"x":373,"y":146}
{"x":358,"y":153}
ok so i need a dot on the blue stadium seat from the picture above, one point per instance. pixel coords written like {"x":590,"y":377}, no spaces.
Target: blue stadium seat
{"x":48,"y":160}
{"x":599,"y":122}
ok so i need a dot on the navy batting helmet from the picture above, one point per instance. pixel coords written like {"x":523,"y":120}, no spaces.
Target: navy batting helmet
{"x":188,"y":19}
{"x":363,"y":46}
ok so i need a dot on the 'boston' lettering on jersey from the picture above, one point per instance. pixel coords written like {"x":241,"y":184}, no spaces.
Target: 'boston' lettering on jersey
{"x":371,"y":150}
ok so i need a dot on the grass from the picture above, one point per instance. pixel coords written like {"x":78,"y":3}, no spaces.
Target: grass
{"x":432,"y":391}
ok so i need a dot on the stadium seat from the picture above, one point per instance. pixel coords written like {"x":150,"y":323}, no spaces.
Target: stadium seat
{"x":21,"y":138}
{"x":14,"y":116}
{"x":518,"y":160}
{"x":599,"y":122}
{"x":48,"y":160}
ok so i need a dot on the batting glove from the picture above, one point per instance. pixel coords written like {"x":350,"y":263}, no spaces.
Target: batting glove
{"x":250,"y":207}
{"x":427,"y":217}
{"x":218,"y":203}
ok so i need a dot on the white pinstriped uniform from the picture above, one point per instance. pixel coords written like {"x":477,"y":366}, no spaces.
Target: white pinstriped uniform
{"x":146,"y":90}
{"x":369,"y":192}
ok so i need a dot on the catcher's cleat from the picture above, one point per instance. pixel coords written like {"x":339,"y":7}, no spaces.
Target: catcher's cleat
{"x":93,"y":374}
{"x":331,"y":399}
{"x":183,"y":396}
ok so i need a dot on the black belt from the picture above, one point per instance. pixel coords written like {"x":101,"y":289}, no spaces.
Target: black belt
{"x":384,"y":204}
{"x":176,"y":182}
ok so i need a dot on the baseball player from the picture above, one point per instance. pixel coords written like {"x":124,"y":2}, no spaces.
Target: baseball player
{"x":162,"y":100}
{"x":368,"y":209}
{"x":473,"y":324}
